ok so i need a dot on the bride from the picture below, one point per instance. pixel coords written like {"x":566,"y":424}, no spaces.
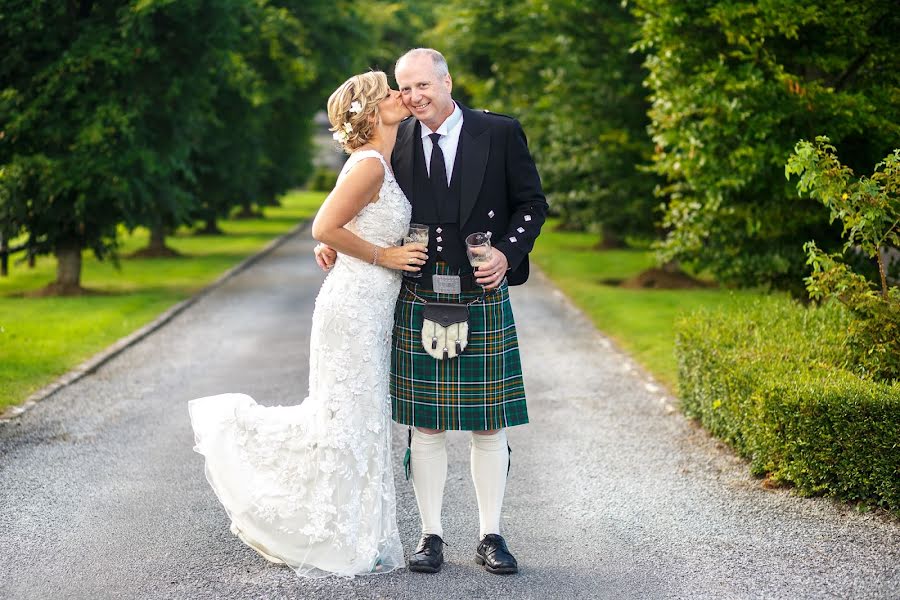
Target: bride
{"x":311,"y":486}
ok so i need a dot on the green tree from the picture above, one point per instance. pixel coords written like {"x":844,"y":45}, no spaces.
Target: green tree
{"x":330,"y":42}
{"x":734,"y":84}
{"x":67,"y":127}
{"x":258,"y":143}
{"x":178,"y":48}
{"x":565,"y":69}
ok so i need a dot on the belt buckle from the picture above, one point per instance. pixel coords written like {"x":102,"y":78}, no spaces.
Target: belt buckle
{"x":446,"y":284}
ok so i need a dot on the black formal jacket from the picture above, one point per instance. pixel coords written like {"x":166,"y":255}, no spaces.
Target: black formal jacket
{"x":500,"y":186}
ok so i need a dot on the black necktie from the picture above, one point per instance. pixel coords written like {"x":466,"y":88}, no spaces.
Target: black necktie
{"x":438,"y":175}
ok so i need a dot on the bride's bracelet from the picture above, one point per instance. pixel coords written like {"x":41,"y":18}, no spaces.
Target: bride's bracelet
{"x":375,"y":257}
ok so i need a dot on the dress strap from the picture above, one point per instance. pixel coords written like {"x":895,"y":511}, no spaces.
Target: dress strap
{"x":363,"y":154}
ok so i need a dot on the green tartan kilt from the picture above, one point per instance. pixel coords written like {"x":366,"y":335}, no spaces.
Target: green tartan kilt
{"x":480,"y":390}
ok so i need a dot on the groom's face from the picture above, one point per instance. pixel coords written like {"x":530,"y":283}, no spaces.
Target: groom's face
{"x":425,"y":93}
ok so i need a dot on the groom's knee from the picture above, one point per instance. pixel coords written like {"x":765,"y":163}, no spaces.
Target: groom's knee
{"x":488,"y":432}
{"x":427,"y":431}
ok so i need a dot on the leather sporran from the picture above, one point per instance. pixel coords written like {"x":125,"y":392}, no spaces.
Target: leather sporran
{"x":445,"y":329}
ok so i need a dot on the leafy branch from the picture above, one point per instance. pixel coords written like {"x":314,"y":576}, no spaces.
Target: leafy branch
{"x":869,"y":209}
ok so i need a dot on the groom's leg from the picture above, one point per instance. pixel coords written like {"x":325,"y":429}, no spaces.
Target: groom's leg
{"x":428,"y":463}
{"x":490,"y":462}
{"x":428,"y":466}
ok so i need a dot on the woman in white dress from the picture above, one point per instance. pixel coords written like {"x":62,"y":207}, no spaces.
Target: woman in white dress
{"x":311,"y":485}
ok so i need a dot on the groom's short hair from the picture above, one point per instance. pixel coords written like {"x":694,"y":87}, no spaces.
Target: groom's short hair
{"x":440,"y":63}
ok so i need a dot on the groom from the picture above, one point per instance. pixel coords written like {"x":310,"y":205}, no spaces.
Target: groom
{"x":464,"y":171}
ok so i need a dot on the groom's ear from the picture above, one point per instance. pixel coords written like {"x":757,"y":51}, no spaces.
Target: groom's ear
{"x":449,"y":82}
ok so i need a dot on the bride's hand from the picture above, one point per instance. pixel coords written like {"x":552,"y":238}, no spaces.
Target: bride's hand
{"x":325,"y":256}
{"x":409,"y":257}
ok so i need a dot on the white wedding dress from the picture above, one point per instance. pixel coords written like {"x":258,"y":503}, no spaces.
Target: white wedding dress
{"x":312,"y":485}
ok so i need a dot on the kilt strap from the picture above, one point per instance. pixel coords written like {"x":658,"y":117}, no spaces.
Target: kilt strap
{"x":424,"y":301}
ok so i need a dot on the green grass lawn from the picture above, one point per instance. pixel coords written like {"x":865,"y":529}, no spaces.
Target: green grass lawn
{"x":641,"y":321}
{"x":42,"y":338}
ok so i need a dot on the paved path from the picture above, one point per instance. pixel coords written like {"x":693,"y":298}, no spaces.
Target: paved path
{"x":612,"y":493}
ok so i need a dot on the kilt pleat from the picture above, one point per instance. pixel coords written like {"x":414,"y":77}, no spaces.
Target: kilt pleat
{"x":482,"y":389}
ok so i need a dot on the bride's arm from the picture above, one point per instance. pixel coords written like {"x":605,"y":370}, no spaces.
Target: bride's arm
{"x":357,"y":189}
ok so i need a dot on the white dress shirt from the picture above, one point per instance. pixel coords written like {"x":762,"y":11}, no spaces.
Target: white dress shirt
{"x":449,"y":141}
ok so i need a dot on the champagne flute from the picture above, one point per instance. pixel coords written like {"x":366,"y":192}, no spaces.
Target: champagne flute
{"x":417,"y":234}
{"x":478,"y":249}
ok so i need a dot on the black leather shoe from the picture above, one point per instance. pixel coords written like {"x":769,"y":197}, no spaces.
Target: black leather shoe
{"x":494,"y":555}
{"x":429,"y":555}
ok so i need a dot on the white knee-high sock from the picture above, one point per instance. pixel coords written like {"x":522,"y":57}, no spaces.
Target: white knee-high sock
{"x":490,"y":462}
{"x":428,"y":471}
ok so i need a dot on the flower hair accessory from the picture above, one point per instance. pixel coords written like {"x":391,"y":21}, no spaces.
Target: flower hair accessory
{"x":343,"y":134}
{"x":355,"y":107}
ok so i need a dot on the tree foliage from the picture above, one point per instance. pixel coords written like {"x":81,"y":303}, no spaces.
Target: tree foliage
{"x":177,"y":45}
{"x":68,"y":126}
{"x":565,"y":69}
{"x":160,"y":113}
{"x":147,"y":112}
{"x":396,"y":27}
{"x":869,"y":210}
{"x":734,"y":85}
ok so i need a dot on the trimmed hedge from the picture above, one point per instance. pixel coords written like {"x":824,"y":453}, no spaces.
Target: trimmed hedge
{"x":772,"y":381}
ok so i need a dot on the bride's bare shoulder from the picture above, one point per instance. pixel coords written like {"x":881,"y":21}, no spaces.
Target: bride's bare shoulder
{"x":366,"y":171}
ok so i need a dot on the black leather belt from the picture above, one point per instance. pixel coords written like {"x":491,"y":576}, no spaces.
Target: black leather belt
{"x":466,"y":282}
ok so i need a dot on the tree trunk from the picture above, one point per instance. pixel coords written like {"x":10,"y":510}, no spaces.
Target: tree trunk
{"x":247,"y":212}
{"x":211,"y":227}
{"x":68,"y":265}
{"x":879,"y":256}
{"x":68,"y":271}
{"x":157,"y":240}
{"x":31,"y":259}
{"x":611,"y":239}
{"x":4,"y":256}
{"x":156,"y":248}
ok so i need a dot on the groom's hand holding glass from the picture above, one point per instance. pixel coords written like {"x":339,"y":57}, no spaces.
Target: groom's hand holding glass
{"x":490,"y":269}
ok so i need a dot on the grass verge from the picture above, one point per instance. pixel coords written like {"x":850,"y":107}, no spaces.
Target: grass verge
{"x":42,"y":338}
{"x":640,"y":321}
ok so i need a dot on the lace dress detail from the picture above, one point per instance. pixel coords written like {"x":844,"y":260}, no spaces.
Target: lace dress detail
{"x":312,"y":485}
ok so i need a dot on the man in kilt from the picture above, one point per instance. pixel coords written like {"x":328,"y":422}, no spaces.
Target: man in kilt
{"x":464,"y":171}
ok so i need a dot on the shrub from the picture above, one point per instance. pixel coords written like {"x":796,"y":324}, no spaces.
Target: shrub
{"x":775,"y":382}
{"x":323,"y":179}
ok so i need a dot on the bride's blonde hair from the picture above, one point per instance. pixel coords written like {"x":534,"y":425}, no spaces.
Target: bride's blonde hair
{"x":353,"y":108}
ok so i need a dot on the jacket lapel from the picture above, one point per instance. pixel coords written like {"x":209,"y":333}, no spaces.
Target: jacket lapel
{"x":403,"y":154}
{"x":476,"y":144}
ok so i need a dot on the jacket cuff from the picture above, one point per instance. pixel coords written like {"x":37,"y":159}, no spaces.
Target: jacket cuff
{"x":514,"y":256}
